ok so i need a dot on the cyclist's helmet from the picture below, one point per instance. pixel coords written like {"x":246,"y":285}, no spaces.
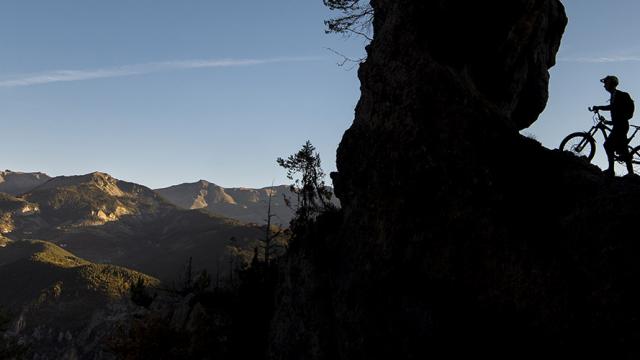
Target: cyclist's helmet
{"x":613,"y":79}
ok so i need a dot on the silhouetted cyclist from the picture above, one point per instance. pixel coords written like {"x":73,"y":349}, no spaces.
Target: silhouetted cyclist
{"x":621,"y":107}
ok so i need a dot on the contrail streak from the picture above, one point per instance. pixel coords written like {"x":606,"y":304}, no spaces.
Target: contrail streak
{"x":601,"y":60}
{"x":136,"y":69}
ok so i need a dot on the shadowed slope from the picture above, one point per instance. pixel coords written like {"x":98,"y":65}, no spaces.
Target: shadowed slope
{"x":60,"y":300}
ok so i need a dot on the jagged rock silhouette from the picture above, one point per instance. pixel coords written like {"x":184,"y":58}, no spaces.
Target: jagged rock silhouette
{"x":457,"y":236}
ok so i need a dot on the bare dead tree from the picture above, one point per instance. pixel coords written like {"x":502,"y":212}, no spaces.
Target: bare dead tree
{"x":356,"y":18}
{"x":268,"y":242}
{"x":347,"y":60}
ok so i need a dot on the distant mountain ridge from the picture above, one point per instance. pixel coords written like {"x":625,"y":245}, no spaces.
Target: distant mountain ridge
{"x":244,"y":204}
{"x":15,"y":183}
{"x":240,"y":203}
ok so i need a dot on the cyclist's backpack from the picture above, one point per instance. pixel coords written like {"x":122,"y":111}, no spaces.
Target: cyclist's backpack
{"x":627,"y":107}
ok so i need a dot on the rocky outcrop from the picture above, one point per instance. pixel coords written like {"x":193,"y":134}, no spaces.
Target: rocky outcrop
{"x":510,"y":251}
{"x":12,"y":207}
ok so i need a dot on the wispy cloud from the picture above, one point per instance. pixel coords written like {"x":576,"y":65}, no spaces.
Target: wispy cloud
{"x":135,"y":69}
{"x":600,"y":60}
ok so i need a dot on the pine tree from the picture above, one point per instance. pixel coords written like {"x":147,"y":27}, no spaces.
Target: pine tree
{"x":304,"y":169}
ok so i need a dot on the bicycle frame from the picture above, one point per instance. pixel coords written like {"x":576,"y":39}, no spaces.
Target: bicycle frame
{"x":606,"y":129}
{"x":600,"y":123}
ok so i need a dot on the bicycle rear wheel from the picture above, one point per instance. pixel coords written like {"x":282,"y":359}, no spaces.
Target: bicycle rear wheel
{"x":580,"y":144}
{"x":635,"y":160}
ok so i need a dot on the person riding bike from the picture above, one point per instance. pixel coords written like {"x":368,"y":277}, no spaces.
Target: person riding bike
{"x":621,"y":107}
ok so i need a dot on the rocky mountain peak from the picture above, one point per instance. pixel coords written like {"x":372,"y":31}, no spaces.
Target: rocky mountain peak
{"x":97,"y":180}
{"x":204,"y":183}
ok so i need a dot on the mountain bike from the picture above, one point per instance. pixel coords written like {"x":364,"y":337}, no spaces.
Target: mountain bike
{"x":583,"y":144}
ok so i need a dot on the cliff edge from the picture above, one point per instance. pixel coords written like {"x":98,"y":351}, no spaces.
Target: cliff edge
{"x":519,"y":252}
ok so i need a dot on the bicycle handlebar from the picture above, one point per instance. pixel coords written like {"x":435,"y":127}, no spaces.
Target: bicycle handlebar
{"x":597,"y":115}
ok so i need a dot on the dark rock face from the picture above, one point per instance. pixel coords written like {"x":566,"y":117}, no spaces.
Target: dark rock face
{"x":520,"y":252}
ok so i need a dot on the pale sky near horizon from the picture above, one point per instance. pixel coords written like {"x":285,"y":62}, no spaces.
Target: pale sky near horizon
{"x":161,"y":92}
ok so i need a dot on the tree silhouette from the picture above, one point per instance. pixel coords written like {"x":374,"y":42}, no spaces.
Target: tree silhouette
{"x":304,"y":169}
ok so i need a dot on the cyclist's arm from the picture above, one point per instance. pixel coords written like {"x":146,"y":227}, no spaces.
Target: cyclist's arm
{"x":603,"y":107}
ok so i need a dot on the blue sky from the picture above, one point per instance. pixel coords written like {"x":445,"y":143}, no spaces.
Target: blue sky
{"x":602,"y":38}
{"x":161,"y":92}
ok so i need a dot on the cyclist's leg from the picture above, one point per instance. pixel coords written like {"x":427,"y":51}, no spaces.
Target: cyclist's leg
{"x":609,"y":149}
{"x":617,"y":143}
{"x":625,"y":154}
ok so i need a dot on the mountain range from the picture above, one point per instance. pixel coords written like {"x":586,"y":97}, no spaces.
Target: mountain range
{"x":105,"y":220}
{"x":240,"y":203}
{"x":70,"y":246}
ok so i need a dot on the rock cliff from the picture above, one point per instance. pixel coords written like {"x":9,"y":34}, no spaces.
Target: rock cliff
{"x":519,"y":252}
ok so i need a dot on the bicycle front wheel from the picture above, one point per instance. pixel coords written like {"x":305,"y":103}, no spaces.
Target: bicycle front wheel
{"x":580,"y":144}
